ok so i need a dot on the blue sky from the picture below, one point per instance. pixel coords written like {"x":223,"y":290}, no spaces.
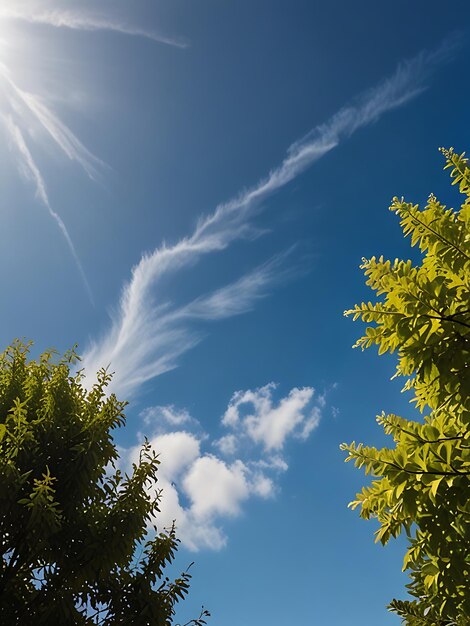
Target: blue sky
{"x":187,"y":191}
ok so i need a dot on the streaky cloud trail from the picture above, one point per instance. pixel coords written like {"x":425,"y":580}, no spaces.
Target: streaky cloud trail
{"x":159,"y":335}
{"x":80,"y":20}
{"x":23,"y":102}
{"x":22,"y":110}
{"x":142,"y":341}
{"x":31,"y":171}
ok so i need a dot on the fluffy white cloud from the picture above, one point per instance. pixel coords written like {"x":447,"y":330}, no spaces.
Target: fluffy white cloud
{"x":200,"y":489}
{"x":263,"y":486}
{"x":269,"y":424}
{"x":272,"y":463}
{"x":227,"y":444}
{"x":177,"y":451}
{"x":216,"y":488}
{"x":163,"y":415}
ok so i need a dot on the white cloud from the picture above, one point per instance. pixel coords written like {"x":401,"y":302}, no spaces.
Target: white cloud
{"x":31,"y":171}
{"x":146,"y":339}
{"x":228,"y":445}
{"x":198,"y":490}
{"x":32,"y":112}
{"x":272,"y":462}
{"x":201,"y":490}
{"x":82,"y":19}
{"x":164,"y":415}
{"x":310,"y":423}
{"x":263,"y":486}
{"x":215,"y":488}
{"x":268,"y":424}
{"x":26,"y":114}
{"x":177,"y":451}
{"x":26,"y":111}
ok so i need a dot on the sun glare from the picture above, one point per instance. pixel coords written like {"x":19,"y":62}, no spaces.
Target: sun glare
{"x":8,"y":37}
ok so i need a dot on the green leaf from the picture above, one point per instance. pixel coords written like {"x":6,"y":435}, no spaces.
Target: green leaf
{"x":423,"y":315}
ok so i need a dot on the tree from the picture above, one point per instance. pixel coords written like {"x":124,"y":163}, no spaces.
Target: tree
{"x":73,"y":527}
{"x":421,"y":484}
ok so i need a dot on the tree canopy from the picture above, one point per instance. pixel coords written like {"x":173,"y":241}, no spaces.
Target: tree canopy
{"x":420,"y":485}
{"x":74,"y":528}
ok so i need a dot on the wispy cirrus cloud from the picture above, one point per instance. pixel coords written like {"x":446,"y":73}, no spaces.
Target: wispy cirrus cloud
{"x":23,"y":110}
{"x":28,"y":118}
{"x":145,"y":338}
{"x":30,"y":110}
{"x":50,"y":13}
{"x":148,"y":339}
{"x":31,"y":171}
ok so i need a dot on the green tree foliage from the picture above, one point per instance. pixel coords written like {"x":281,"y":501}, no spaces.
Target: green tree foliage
{"x":421,"y":484}
{"x":73,"y":528}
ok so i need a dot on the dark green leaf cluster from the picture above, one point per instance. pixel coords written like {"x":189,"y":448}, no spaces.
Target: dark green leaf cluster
{"x":71,"y":524}
{"x":421,"y":485}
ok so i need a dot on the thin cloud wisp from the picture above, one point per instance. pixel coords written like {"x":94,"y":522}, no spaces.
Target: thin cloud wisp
{"x":141,"y":343}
